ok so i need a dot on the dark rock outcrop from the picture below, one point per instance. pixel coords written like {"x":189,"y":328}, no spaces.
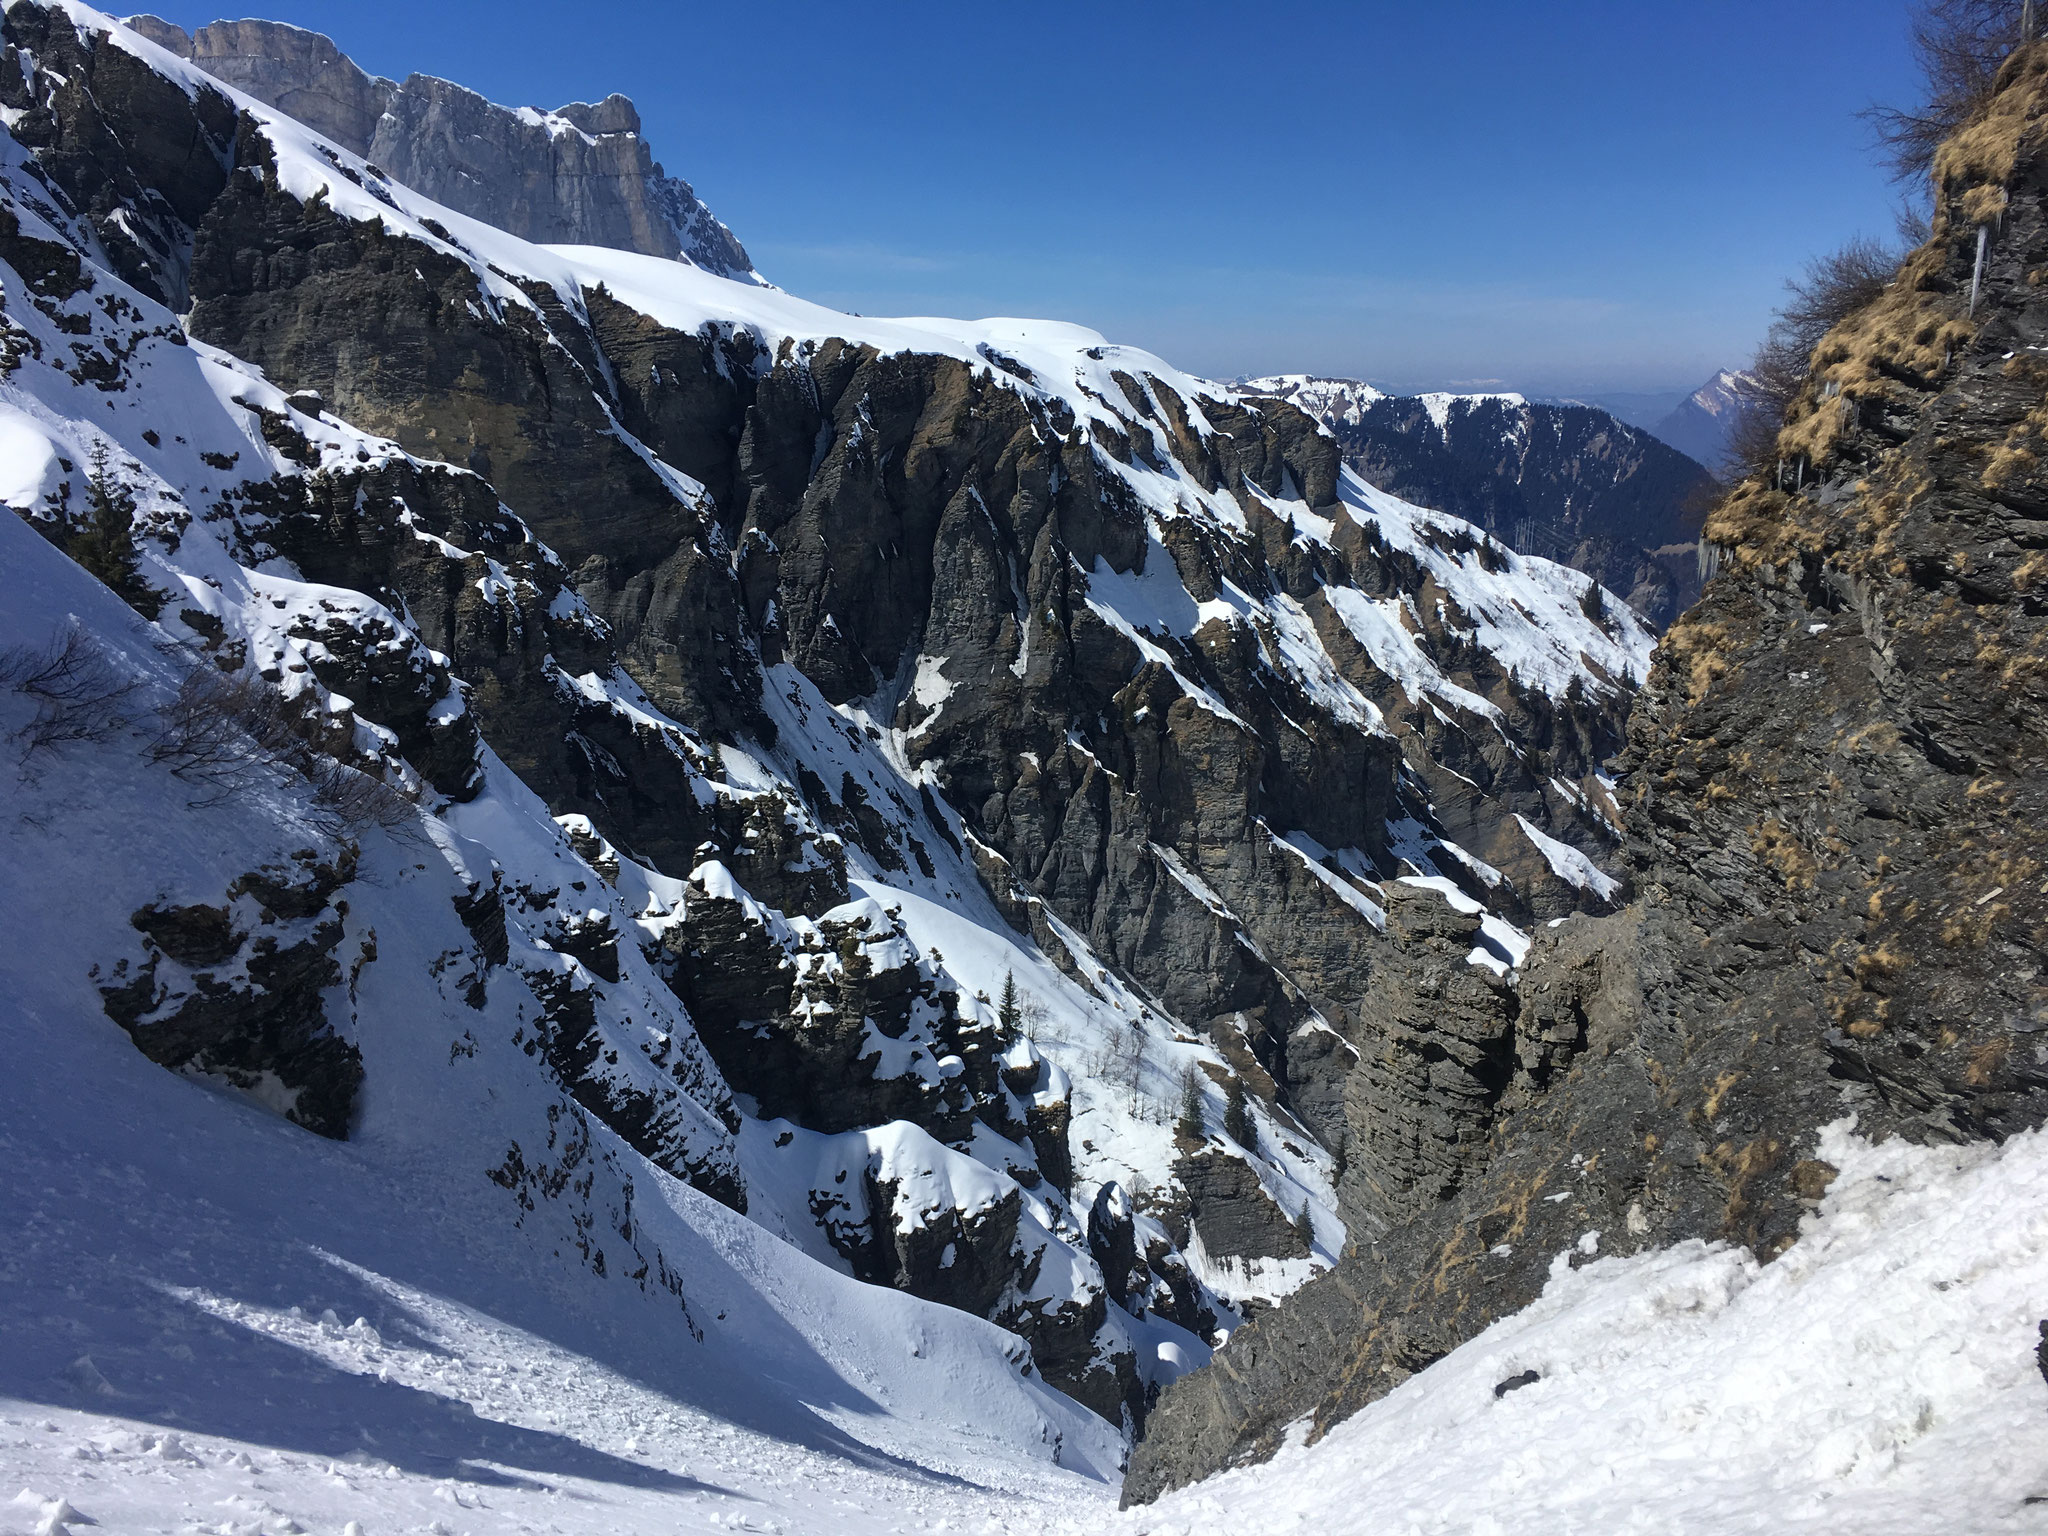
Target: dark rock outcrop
{"x":761,"y":616}
{"x":234,"y":993}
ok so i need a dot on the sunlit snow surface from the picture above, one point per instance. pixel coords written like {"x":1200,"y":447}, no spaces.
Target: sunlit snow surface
{"x":375,"y":1323}
{"x":183,"y":1352}
{"x":1878,"y":1378}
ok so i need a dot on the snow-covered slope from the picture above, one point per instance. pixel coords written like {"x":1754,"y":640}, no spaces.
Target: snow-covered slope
{"x":1879,"y":1377}
{"x":600,"y":1233}
{"x":1703,"y":424}
{"x":1558,"y":478}
{"x":417,"y":1310}
{"x":194,"y":435}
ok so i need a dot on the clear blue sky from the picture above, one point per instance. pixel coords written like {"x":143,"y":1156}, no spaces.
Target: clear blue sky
{"x":1565,"y":195}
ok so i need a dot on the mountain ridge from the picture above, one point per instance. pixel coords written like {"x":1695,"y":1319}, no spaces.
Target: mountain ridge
{"x":1570,"y":482}
{"x":1833,"y":787}
{"x":581,"y":174}
{"x":804,"y":915}
{"x":1704,"y":423}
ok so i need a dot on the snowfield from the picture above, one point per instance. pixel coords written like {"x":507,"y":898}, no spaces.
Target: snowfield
{"x":241,"y":1326}
{"x":215,"y":1322}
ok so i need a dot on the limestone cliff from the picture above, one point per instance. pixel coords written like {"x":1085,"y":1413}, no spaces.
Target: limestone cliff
{"x":873,"y":667}
{"x":579,"y":175}
{"x":1570,"y":482}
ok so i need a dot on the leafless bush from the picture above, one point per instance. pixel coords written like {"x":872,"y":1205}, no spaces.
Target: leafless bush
{"x":1033,"y":1017}
{"x":1832,"y":288}
{"x":350,"y":802}
{"x":1958,"y":45}
{"x":223,"y":733}
{"x":79,"y":694}
{"x":1119,"y":1062}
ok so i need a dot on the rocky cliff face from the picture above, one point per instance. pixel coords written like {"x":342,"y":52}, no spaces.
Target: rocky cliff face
{"x":871,"y":670}
{"x":1835,"y":808}
{"x":579,"y":175}
{"x":1568,"y":482}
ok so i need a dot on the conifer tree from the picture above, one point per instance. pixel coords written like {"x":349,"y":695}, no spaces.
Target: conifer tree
{"x":106,"y":545}
{"x":1237,"y":1116}
{"x":1008,"y":1013}
{"x":1189,"y":1124}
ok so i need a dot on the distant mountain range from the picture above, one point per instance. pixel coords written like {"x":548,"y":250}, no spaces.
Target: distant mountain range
{"x":1698,"y":425}
{"x":1643,"y":408}
{"x":1703,"y":423}
{"x":1570,"y":482}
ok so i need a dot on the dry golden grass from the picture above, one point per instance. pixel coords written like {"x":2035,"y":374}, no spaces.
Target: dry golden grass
{"x":1896,"y":348}
{"x":1986,"y":1061}
{"x":1696,"y":652}
{"x":1876,"y":964}
{"x":1711,"y":1108}
{"x":1986,"y":151}
{"x":1902,"y":340}
{"x":1778,"y":846}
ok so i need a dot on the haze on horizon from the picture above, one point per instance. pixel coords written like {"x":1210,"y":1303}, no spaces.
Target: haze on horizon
{"x":1592,"y":200}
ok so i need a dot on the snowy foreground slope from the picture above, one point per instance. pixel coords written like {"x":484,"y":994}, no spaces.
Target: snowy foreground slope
{"x":215,"y":1322}
{"x":189,"y":1262}
{"x":1878,"y":1378}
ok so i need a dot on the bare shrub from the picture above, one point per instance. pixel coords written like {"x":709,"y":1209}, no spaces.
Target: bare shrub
{"x":1958,"y":46}
{"x":349,"y":802}
{"x":1033,"y":1017}
{"x":79,"y":694}
{"x":1832,"y":288}
{"x":224,"y":733}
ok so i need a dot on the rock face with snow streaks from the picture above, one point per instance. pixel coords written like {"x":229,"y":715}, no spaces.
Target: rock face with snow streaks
{"x":872,"y":669}
{"x":1835,"y":795}
{"x":1567,"y":481}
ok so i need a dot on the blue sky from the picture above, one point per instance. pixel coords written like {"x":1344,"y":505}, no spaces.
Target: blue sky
{"x":1569,"y":196}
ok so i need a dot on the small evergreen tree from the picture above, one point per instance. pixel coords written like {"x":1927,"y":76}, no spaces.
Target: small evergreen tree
{"x":1305,"y":1226}
{"x":1342,"y":1158}
{"x":1008,"y":1013}
{"x":1237,"y":1116}
{"x":106,"y":545}
{"x":1190,"y":1124}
